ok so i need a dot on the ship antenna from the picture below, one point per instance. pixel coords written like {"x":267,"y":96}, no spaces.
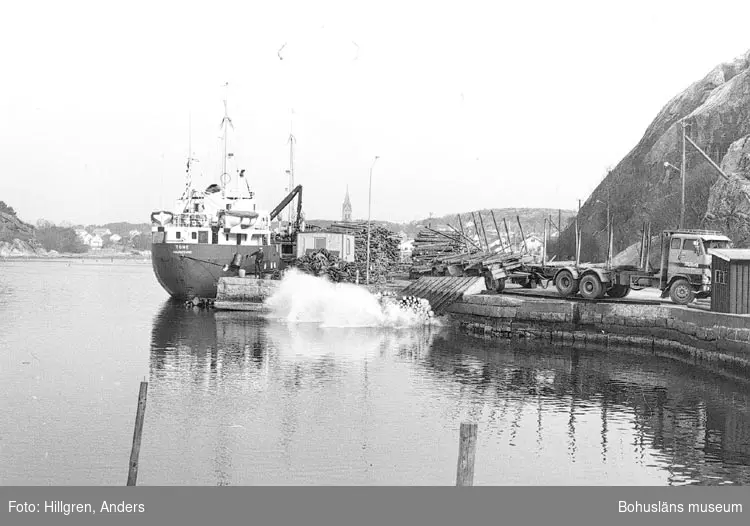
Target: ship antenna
{"x":190,"y":159}
{"x":186,"y":194}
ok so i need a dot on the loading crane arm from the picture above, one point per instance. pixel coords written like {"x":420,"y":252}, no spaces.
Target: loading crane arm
{"x":288,"y":199}
{"x":285,"y":202}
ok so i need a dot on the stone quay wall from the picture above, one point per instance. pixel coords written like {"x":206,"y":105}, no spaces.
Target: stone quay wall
{"x":697,"y":334}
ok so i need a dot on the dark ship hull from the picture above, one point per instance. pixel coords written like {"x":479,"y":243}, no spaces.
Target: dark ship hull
{"x":188,"y":271}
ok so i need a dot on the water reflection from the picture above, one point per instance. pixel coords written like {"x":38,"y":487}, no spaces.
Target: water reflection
{"x":696,"y":420}
{"x":277,"y":404}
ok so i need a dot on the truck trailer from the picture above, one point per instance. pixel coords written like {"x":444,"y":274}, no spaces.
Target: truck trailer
{"x":684,"y":273}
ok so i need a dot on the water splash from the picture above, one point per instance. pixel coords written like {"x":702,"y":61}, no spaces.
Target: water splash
{"x":302,"y":298}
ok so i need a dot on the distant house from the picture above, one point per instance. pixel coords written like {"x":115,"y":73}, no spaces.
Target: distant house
{"x":535,"y":244}
{"x":96,"y":242}
{"x":405,"y":250}
{"x":84,"y":236}
{"x":133,"y":233}
{"x":115,"y":238}
{"x":101,"y":232}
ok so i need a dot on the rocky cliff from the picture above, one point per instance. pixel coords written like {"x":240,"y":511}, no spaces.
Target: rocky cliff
{"x":716,"y":112}
{"x":17,"y":238}
{"x":729,"y":200}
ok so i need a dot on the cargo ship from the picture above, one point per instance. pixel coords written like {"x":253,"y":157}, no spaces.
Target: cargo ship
{"x":217,"y":232}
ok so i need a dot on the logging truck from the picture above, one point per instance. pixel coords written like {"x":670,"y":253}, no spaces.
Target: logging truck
{"x":684,"y":273}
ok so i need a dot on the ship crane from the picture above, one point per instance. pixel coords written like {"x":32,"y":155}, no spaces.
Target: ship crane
{"x":285,"y":202}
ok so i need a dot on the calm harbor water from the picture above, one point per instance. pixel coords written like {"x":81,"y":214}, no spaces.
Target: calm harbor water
{"x":236,"y":399}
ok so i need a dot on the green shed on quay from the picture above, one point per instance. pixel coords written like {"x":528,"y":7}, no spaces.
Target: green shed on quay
{"x":730,"y":287}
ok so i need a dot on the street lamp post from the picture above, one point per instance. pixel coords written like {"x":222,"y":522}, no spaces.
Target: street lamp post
{"x":369,"y":209}
{"x":667,"y":164}
{"x":684,"y":165}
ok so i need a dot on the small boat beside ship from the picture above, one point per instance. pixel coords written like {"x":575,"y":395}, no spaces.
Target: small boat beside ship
{"x":216,"y":232}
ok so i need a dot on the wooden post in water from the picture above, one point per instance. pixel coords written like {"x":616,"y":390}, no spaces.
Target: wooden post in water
{"x":139,"y":415}
{"x":467,"y":447}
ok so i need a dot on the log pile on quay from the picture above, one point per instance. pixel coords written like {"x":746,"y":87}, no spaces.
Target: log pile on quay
{"x":384,"y":255}
{"x":323,"y":263}
{"x":430,"y":244}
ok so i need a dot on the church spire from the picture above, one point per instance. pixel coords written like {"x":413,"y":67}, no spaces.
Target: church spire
{"x":346,"y":209}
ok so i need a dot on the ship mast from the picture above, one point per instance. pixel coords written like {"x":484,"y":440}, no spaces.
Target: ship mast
{"x":292,"y":140}
{"x":188,"y":176}
{"x":225,"y":122}
{"x":291,"y":174}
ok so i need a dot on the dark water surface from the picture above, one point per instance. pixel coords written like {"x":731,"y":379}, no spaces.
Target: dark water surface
{"x":235,"y":399}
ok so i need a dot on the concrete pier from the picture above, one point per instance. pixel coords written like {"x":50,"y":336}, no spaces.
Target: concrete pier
{"x":700,"y":335}
{"x":248,"y":293}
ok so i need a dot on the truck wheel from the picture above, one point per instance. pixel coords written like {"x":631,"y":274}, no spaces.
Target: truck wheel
{"x":566,"y":284}
{"x":490,"y":283}
{"x":618,"y":291}
{"x":681,"y":292}
{"x":591,"y":287}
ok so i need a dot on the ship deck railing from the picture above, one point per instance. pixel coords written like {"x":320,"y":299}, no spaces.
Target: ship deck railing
{"x":192,"y":220}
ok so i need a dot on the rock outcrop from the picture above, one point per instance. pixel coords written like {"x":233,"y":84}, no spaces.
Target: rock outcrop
{"x":17,"y":238}
{"x":716,"y":113}
{"x":18,"y":248}
{"x":729,"y":200}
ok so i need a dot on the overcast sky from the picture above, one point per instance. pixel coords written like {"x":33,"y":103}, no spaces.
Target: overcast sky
{"x":468,"y":104}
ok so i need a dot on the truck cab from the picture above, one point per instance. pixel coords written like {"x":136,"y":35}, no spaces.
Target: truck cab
{"x":686,"y":263}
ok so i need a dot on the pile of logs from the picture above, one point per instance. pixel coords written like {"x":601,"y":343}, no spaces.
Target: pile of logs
{"x":323,"y":263}
{"x":418,"y":306}
{"x":430,"y":244}
{"x":384,"y":249}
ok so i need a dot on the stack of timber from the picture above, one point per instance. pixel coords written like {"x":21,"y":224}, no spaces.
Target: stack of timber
{"x":491,"y":265}
{"x":323,"y":263}
{"x":384,"y":249}
{"x":431,"y":246}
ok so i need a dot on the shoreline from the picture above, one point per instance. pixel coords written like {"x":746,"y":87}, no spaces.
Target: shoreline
{"x":72,"y":257}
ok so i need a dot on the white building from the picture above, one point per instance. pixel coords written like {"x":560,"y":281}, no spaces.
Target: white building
{"x":96,"y":242}
{"x":341,"y":245}
{"x":84,"y":236}
{"x":115,"y":238}
{"x":406,"y":247}
{"x":535,"y":244}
